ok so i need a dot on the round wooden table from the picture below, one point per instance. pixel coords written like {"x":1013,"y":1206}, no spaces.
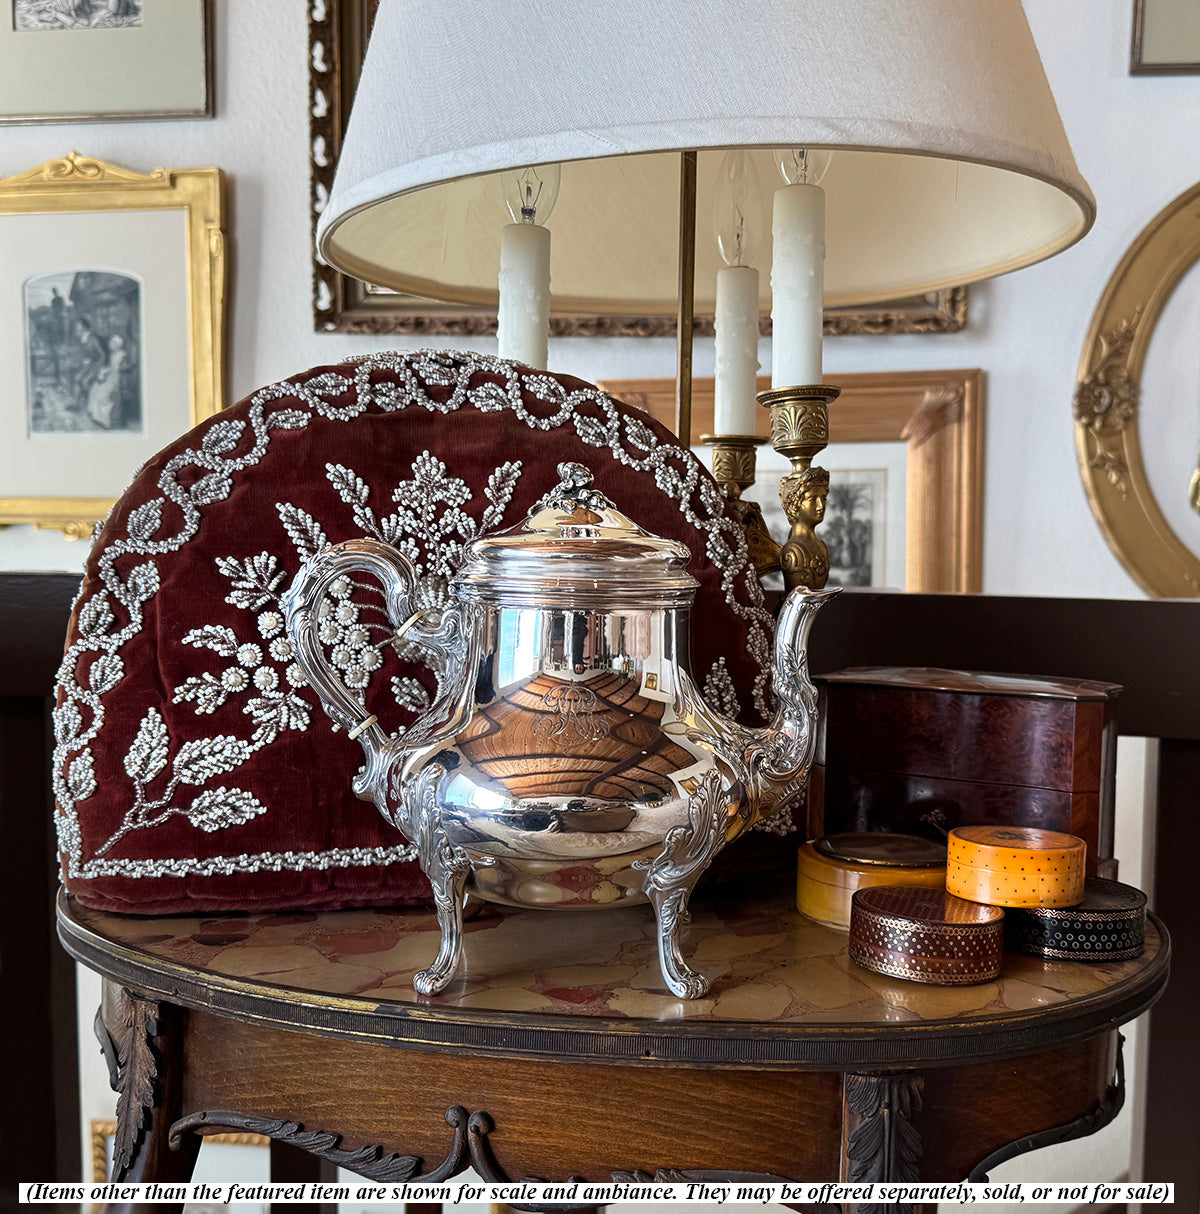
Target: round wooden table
{"x":556,"y":1053}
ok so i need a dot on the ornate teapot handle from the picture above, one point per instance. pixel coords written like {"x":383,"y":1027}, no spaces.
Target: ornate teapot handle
{"x":308,"y":591}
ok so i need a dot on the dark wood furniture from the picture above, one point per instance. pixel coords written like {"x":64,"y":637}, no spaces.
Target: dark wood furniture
{"x":39,"y":1121}
{"x":557,"y":1053}
{"x":899,"y":747}
{"x":1152,"y":649}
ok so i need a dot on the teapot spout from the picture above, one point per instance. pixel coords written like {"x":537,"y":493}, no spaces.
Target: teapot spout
{"x":784,"y":750}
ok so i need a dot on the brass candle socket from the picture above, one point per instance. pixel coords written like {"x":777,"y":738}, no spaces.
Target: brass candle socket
{"x":800,"y":431}
{"x":734,"y":457}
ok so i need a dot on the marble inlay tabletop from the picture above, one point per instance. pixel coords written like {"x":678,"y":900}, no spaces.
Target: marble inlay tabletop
{"x":771,"y":967}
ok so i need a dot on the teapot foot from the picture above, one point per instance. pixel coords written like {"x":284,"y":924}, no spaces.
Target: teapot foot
{"x":670,"y":878}
{"x":681,"y":979}
{"x":448,"y":886}
{"x":447,"y":868}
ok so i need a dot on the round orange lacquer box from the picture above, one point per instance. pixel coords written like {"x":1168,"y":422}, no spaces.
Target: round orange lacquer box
{"x":1015,"y":866}
{"x":831,"y":869}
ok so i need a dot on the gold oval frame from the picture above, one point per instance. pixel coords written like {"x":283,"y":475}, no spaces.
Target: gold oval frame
{"x":1108,"y":399}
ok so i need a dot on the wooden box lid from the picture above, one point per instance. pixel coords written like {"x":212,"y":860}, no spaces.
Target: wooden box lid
{"x":926,"y":935}
{"x":964,"y":726}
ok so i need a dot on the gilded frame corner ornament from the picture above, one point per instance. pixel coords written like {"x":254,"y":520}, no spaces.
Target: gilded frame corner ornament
{"x":337,"y":42}
{"x":1107,"y":402}
{"x":80,"y":184}
{"x":938,"y":415}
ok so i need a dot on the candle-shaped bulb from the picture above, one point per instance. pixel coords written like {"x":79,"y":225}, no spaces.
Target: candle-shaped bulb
{"x":523,"y":322}
{"x":798,"y":268}
{"x":737,"y":209}
{"x":803,"y":166}
{"x":737,"y":219}
{"x":530,"y":193}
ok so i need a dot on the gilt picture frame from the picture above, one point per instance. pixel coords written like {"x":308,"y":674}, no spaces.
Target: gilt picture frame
{"x":938,"y":417}
{"x":1109,"y":405}
{"x":112,"y":314}
{"x":105,"y":60}
{"x":337,"y":41}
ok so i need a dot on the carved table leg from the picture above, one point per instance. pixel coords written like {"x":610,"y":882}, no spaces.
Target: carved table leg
{"x":879,"y":1140}
{"x":146,"y":1071}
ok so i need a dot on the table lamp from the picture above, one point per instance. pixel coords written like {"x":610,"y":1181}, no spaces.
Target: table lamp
{"x":947,"y":163}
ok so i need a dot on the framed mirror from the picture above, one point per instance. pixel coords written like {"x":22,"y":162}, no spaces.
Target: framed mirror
{"x":1137,"y":405}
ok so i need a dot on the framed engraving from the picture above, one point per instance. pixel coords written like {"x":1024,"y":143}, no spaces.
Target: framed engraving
{"x":112,"y":300}
{"x":105,"y":60}
{"x":931,"y":422}
{"x":337,"y":35}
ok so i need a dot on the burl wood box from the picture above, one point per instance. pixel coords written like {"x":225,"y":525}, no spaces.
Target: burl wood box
{"x":899,"y":744}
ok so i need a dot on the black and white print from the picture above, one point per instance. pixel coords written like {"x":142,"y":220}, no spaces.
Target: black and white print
{"x":83,"y":352}
{"x":854,"y":526}
{"x":76,"y":14}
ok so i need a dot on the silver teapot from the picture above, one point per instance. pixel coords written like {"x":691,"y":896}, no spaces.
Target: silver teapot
{"x":568,"y":759}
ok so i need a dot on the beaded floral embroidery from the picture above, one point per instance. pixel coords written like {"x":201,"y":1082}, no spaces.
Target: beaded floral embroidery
{"x":256,"y":671}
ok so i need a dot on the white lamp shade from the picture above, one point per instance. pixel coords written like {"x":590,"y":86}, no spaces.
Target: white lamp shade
{"x":951,"y":161}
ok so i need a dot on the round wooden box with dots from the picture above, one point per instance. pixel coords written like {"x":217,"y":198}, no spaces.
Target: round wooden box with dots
{"x":1108,"y":925}
{"x":926,"y":935}
{"x":830,"y":870}
{"x":1015,"y":866}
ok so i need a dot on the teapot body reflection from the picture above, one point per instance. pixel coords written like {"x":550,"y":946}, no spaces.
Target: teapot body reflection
{"x":568,"y":759}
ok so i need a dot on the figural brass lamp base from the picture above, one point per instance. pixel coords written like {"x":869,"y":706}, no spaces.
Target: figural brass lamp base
{"x":800,"y":431}
{"x":733,"y":469}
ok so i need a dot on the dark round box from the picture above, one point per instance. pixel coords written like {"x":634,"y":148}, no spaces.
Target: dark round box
{"x":926,"y":935}
{"x":1108,"y":925}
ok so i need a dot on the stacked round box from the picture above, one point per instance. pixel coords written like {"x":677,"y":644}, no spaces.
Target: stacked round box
{"x":1108,"y":925}
{"x":926,"y":935}
{"x":1015,"y":866}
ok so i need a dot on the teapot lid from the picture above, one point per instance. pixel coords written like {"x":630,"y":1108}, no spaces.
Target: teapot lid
{"x":576,"y":549}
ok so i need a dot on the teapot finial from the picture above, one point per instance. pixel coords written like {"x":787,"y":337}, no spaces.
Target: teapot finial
{"x":574,"y":491}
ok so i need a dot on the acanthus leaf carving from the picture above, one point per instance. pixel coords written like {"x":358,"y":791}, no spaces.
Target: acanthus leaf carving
{"x":137,"y":1079}
{"x":371,"y":1161}
{"x":1106,"y":401}
{"x":883,"y":1144}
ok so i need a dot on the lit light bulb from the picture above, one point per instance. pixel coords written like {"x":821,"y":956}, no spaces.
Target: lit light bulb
{"x":803,"y":166}
{"x":737,"y":209}
{"x":531,"y":192}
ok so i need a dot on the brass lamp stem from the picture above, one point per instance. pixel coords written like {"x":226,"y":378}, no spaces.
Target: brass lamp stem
{"x":684,"y":335}
{"x":800,"y":431}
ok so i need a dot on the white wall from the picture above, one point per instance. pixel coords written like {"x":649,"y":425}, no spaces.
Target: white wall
{"x":1134,"y":139}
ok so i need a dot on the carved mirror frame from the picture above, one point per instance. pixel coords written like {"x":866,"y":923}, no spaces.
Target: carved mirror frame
{"x":1108,"y":403}
{"x":938,"y":415}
